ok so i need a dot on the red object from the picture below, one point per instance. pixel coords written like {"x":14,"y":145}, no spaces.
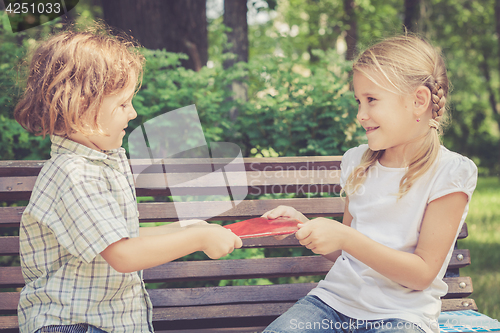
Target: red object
{"x":261,"y":227}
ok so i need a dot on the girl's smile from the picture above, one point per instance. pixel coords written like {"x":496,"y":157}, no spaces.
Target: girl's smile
{"x":370,"y":129}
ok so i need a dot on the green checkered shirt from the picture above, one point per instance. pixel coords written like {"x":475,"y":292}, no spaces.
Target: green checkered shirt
{"x":83,"y":201}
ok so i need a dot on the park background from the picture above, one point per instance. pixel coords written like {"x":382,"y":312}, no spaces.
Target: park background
{"x":273,"y":76}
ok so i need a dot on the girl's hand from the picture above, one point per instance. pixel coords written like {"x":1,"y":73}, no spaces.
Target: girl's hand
{"x":322,"y":236}
{"x":285,"y":211}
{"x":219,"y":241}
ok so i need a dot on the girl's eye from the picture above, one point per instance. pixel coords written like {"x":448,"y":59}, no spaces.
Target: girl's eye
{"x":371,"y":99}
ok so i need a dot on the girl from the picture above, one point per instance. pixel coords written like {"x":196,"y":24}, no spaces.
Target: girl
{"x":406,"y":200}
{"x":81,"y":248}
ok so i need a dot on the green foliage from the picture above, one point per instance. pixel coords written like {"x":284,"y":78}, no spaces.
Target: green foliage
{"x":300,"y":111}
{"x":465,"y":31}
{"x":16,"y":142}
{"x":291,"y":110}
{"x":483,"y":222}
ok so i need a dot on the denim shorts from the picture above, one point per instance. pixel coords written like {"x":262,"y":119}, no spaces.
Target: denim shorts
{"x":78,"y":328}
{"x":312,"y":315}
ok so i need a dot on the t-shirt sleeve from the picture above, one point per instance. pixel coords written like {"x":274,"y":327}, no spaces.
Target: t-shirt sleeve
{"x":350,"y":160}
{"x":458,"y":174}
{"x":89,"y":220}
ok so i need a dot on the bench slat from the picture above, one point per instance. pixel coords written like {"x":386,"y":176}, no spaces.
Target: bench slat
{"x":9,"y":324}
{"x":230,"y":269}
{"x":257,"y":183}
{"x":175,"y":297}
{"x":229,"y":294}
{"x":165,"y":211}
{"x":311,"y":207}
{"x":164,"y":318}
{"x":460,"y":286}
{"x":9,"y":245}
{"x":261,"y":294}
{"x":32,"y":167}
{"x":238,"y":269}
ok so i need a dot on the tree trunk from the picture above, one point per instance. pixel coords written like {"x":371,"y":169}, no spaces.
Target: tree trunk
{"x":412,"y":15}
{"x":174,"y":25}
{"x":235,"y":17}
{"x":352,"y":32}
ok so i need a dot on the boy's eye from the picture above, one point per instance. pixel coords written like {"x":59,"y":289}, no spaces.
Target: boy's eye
{"x":371,"y":99}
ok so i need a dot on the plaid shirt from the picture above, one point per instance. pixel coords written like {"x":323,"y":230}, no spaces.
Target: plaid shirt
{"x":83,"y":201}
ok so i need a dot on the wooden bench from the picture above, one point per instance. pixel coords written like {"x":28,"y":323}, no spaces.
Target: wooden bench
{"x":237,"y":308}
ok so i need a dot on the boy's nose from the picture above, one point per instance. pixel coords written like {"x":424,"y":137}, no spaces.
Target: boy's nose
{"x":133,"y":113}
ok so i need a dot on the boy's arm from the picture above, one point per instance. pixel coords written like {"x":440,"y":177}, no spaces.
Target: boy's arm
{"x":134,"y":254}
{"x":413,"y":270}
{"x":169,"y":228}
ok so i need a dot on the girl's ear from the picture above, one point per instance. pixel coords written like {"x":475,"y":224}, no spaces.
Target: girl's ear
{"x":422,"y":100}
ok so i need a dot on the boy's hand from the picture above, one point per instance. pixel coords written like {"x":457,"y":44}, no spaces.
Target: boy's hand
{"x":190,"y":223}
{"x":220,"y":241}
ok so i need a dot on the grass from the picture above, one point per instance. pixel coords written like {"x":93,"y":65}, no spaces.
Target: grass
{"x":483,"y":242}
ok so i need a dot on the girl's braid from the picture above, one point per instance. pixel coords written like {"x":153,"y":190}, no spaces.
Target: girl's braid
{"x":438,"y":105}
{"x":438,"y":102}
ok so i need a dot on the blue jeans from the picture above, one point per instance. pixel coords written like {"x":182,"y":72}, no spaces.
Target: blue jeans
{"x":71,"y":328}
{"x":310,"y":314}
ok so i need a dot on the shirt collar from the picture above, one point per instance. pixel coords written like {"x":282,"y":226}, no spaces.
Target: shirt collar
{"x":61,"y":145}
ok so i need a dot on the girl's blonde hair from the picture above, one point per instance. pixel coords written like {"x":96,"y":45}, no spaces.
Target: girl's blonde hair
{"x":406,"y":63}
{"x":70,"y":74}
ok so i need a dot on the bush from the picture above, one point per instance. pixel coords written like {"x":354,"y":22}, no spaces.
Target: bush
{"x":291,"y":110}
{"x":17,"y":143}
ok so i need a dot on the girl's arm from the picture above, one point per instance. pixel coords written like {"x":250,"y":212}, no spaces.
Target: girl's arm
{"x":347,"y":219}
{"x":413,"y":270}
{"x":134,"y":254}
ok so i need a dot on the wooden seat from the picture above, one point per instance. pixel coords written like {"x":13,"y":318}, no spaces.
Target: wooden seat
{"x":209,"y":307}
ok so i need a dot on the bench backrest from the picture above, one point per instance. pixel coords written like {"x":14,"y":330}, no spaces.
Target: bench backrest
{"x":305,"y":183}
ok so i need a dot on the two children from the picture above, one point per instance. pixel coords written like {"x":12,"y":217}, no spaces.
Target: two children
{"x":82,"y":250}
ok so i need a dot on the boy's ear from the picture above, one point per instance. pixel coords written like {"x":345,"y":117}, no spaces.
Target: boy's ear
{"x":422,"y":100}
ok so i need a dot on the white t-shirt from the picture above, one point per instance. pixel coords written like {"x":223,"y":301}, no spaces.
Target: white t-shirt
{"x":356,"y":290}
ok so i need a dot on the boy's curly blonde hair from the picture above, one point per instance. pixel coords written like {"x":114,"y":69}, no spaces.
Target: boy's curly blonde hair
{"x":68,"y":77}
{"x":406,"y":63}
